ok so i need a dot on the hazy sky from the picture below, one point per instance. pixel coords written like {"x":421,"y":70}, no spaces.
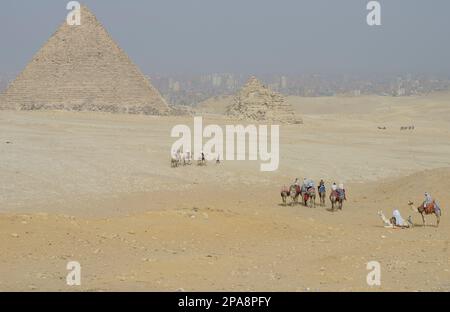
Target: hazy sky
{"x":247,"y":36}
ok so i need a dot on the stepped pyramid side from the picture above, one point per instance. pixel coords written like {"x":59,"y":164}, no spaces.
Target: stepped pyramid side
{"x":258,"y":103}
{"x":81,"y":68}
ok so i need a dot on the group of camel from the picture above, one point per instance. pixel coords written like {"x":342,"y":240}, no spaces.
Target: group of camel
{"x":185,"y":159}
{"x":401,"y":128}
{"x":308,"y":197}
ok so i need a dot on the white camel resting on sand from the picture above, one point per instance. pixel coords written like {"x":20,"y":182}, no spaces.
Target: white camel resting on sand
{"x":396,"y":221}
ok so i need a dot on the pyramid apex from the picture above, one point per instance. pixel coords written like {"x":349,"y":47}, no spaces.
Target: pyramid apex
{"x":253,"y":81}
{"x":85,"y":8}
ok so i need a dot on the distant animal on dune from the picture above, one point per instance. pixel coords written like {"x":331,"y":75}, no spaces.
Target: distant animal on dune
{"x":322,"y":197}
{"x":202,"y":160}
{"x":187,"y":160}
{"x":174,"y":162}
{"x":309,"y":197}
{"x":337,"y":201}
{"x":393,"y":222}
{"x":294,"y":193}
{"x":387,"y":223}
{"x":284,"y":195}
{"x":322,"y":190}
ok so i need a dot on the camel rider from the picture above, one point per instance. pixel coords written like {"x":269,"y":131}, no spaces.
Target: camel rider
{"x":341,"y":192}
{"x":297,"y":182}
{"x":428,"y":200}
{"x":321,"y":188}
{"x":334,"y":187}
{"x":304,"y":185}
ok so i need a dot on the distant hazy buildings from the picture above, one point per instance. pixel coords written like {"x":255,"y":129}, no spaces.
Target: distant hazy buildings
{"x":190,"y":90}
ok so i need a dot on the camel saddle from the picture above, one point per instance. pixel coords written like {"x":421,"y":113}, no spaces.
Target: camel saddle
{"x":341,"y":194}
{"x":430,"y":208}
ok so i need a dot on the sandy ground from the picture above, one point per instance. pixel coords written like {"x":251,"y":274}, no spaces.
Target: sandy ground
{"x":98,"y":189}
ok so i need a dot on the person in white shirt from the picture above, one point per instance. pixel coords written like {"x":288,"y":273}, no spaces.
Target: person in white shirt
{"x":428,"y":200}
{"x":334,"y":187}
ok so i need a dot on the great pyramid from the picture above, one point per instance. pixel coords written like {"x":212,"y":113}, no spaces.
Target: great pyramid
{"x":81,"y":68}
{"x":258,"y":103}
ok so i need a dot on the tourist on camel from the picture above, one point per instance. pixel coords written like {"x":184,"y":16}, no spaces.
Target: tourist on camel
{"x":304,"y":186}
{"x":341,"y":192}
{"x":428,"y":200}
{"x":334,"y":187}
{"x":321,"y":188}
{"x":429,"y":204}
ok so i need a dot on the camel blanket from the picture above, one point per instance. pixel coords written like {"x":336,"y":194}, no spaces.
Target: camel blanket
{"x":306,"y":197}
{"x":430,"y":208}
{"x":341,"y":194}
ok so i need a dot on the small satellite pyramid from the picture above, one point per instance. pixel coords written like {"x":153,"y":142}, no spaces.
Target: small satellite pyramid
{"x":256,"y":102}
{"x":81,"y":68}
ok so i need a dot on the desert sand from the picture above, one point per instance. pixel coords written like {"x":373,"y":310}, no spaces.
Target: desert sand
{"x":97,"y":188}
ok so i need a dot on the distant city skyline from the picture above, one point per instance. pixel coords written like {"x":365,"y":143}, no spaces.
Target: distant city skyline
{"x":247,"y":37}
{"x":193,"y":89}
